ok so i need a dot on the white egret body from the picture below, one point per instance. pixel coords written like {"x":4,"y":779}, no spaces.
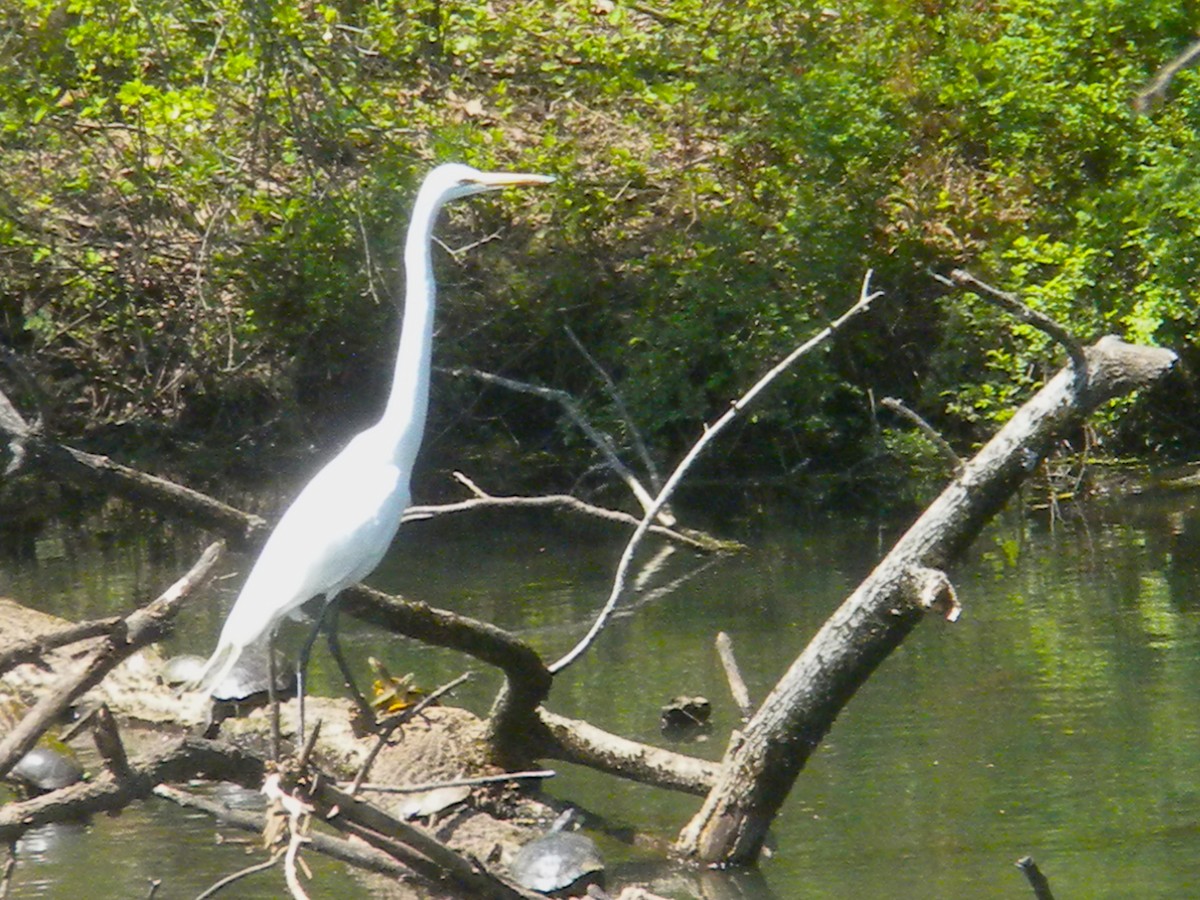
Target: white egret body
{"x":341,"y":524}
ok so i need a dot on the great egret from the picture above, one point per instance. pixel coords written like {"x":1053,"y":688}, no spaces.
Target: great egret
{"x":340,"y":526}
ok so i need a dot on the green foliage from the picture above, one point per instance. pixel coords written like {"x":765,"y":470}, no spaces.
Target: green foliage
{"x":200,"y":202}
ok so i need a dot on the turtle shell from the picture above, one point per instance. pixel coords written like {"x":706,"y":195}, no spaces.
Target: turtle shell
{"x":558,"y":862}
{"x":44,"y":769}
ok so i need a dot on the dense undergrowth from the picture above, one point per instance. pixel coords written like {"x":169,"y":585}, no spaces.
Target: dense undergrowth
{"x":200,"y":204}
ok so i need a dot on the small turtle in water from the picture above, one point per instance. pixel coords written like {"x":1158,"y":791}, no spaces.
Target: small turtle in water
{"x":559,"y":863}
{"x":44,"y":769}
{"x":686,"y":718}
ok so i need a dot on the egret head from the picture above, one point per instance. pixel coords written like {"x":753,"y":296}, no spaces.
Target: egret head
{"x":454,"y":180}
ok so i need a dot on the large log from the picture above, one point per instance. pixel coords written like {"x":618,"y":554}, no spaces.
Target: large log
{"x":761,"y":765}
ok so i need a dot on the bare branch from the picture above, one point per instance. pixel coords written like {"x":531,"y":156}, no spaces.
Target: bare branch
{"x":762,"y":763}
{"x":618,"y":403}
{"x":91,"y":469}
{"x":33,"y":649}
{"x":482,"y":500}
{"x":926,"y":429}
{"x":456,"y":782}
{"x":233,"y":877}
{"x":576,"y":741}
{"x":1154,"y":92}
{"x":1023,"y":313}
{"x":858,"y":308}
{"x":600,"y":440}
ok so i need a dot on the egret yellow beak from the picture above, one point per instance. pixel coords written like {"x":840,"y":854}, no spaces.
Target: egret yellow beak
{"x":496,"y":180}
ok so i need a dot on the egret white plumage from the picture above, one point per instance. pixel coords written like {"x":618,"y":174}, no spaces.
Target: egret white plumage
{"x":341,"y":524}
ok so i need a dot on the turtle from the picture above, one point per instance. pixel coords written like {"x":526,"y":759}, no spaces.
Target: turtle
{"x":243,"y":689}
{"x":44,"y":769}
{"x":560,"y":863}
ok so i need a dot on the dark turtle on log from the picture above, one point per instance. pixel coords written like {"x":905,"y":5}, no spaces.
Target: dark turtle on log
{"x":43,"y":769}
{"x":560,"y":863}
{"x":243,"y":689}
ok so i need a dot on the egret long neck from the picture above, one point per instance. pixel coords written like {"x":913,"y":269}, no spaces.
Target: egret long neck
{"x":404,"y":419}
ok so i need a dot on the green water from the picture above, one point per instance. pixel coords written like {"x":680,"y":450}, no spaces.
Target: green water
{"x":1058,"y":718}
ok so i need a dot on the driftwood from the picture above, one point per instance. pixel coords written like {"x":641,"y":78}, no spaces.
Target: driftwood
{"x":139,"y":628}
{"x":733,"y":674}
{"x":185,"y":758}
{"x":762,"y":763}
{"x":353,"y":852}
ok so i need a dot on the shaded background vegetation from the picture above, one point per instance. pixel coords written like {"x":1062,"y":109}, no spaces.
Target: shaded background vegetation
{"x":201,"y":204}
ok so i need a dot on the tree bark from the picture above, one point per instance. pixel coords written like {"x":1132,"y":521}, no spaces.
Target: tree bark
{"x":761,"y":765}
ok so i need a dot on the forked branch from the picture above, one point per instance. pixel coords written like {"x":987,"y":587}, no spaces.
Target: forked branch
{"x":865,"y":298}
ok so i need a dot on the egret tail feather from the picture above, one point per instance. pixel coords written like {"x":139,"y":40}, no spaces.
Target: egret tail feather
{"x":218,"y":667}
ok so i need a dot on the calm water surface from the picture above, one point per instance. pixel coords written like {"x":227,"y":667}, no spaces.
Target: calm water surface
{"x":1059,"y":717}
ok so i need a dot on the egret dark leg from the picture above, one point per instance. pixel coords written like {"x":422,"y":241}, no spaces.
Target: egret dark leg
{"x":366,"y":713}
{"x":273,"y":695}
{"x":302,"y":660}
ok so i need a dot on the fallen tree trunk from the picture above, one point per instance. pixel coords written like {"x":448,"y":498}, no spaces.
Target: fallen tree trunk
{"x":761,"y":764}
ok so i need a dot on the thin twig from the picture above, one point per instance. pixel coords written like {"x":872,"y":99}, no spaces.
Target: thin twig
{"x":309,"y":743}
{"x":219,"y":886}
{"x":1029,"y":316}
{"x":298,"y":812}
{"x":456,"y":782}
{"x":618,"y":403}
{"x":600,"y":441}
{"x":273,"y":696}
{"x":859,"y":307}
{"x":1157,"y":88}
{"x":395,"y":722}
{"x":10,"y":866}
{"x":942,"y":445}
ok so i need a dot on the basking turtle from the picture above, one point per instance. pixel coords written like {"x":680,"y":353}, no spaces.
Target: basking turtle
{"x":243,"y":689}
{"x":44,"y":769}
{"x":559,"y":863}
